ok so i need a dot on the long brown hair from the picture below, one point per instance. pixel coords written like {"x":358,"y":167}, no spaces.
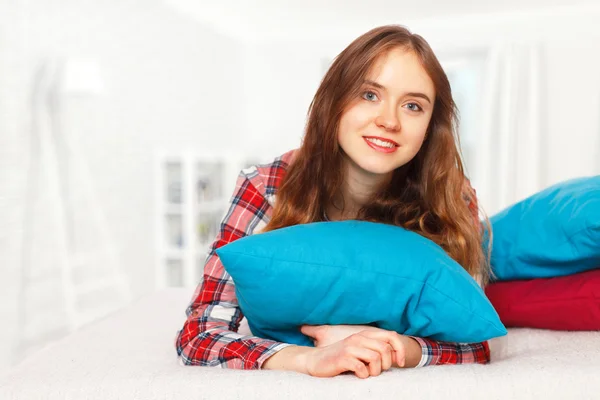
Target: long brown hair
{"x":425,"y":195}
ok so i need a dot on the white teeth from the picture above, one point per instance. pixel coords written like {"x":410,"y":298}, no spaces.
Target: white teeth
{"x":381,"y":143}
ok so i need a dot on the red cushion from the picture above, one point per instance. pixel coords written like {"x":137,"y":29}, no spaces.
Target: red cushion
{"x":569,"y":302}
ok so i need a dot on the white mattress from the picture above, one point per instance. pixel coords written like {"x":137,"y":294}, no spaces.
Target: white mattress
{"x":130,"y":355}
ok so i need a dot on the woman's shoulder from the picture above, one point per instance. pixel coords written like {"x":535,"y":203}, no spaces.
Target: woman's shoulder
{"x":267,"y":178}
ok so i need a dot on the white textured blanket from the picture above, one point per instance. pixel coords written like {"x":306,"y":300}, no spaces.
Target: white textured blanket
{"x":131,"y":355}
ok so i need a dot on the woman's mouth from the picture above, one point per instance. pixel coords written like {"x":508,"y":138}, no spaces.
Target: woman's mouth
{"x":380,"y":144}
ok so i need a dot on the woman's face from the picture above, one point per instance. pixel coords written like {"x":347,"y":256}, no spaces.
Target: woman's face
{"x":385,"y":127}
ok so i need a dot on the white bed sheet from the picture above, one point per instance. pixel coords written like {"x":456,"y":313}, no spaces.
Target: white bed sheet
{"x":131,"y":355}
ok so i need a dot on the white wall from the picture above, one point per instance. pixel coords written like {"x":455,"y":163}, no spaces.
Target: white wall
{"x":280,"y":80}
{"x":570,"y":39}
{"x":573,"y":104}
{"x":170,"y":83}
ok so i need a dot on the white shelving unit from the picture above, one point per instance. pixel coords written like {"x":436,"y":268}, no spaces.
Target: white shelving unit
{"x":192,"y":195}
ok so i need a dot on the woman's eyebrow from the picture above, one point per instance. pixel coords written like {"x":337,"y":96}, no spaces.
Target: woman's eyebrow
{"x":375,"y":84}
{"x":410,"y":94}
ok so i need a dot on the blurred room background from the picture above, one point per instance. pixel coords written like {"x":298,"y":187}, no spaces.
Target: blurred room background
{"x":123,"y":124}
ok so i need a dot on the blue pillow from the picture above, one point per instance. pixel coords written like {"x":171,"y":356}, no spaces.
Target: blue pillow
{"x":355,"y":272}
{"x":555,"y":232}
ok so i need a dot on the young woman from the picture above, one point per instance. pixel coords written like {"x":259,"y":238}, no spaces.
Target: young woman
{"x":380,"y":145}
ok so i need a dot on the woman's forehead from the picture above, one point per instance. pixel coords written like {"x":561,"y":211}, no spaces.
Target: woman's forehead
{"x":401,"y":70}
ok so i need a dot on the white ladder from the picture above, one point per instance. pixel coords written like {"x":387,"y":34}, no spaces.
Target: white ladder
{"x":70,"y":272}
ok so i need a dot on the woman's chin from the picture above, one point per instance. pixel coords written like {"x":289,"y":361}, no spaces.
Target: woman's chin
{"x":377,"y":168}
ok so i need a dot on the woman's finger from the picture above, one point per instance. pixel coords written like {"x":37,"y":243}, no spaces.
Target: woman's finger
{"x":310,"y":330}
{"x":384,"y":348}
{"x":355,"y":365}
{"x":362,"y":351}
{"x":393,"y":339}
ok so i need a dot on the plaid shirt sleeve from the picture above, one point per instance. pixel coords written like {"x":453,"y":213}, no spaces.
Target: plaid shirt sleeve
{"x":209,"y":336}
{"x":438,"y":353}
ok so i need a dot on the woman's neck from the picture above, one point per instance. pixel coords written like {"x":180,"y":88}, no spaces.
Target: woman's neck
{"x":357,"y":189}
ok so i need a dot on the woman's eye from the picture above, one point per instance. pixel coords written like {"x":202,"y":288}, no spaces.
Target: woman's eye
{"x":414,"y":107}
{"x":370,"y":96}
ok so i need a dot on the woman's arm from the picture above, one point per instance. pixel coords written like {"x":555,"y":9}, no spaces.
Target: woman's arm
{"x":438,"y":353}
{"x":209,"y":335}
{"x":419,"y":352}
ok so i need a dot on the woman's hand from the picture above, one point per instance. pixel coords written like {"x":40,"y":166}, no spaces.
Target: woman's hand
{"x":365,"y":350}
{"x":361,"y":354}
{"x":327,"y":335}
{"x":366,"y":354}
{"x":324,"y":335}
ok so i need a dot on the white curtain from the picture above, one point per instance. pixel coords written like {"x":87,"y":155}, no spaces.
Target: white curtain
{"x":509,"y":161}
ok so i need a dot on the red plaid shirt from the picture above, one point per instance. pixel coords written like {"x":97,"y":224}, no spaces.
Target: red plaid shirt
{"x":209,"y":335}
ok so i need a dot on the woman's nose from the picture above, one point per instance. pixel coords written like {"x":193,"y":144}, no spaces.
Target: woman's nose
{"x":388,"y":120}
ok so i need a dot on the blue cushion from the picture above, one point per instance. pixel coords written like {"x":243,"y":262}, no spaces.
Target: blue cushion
{"x":555,"y":232}
{"x":355,"y":272}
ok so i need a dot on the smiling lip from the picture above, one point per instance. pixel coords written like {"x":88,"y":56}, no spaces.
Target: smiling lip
{"x":381,"y":148}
